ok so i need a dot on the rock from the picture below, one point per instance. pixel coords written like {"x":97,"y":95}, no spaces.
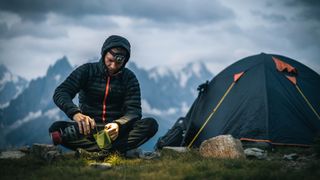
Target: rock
{"x":25,"y":149}
{"x":133,"y":153}
{"x":51,"y":155}
{"x":290,"y":157}
{"x":148,"y":155}
{"x":177,"y":149}
{"x":260,"y":145}
{"x":256,"y":152}
{"x":139,"y":153}
{"x":102,"y":166}
{"x":223,"y":146}
{"x":12,"y":154}
{"x":46,"y":152}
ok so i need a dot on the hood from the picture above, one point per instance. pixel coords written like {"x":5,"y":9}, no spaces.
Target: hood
{"x":116,"y":41}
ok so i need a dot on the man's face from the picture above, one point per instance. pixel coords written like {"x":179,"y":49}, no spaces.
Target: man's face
{"x":110,"y":61}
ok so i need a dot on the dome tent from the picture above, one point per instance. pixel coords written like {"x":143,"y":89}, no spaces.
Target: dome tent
{"x":263,"y":98}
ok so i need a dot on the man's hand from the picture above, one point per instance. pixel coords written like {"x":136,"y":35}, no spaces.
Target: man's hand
{"x":85,"y":123}
{"x":113,"y":130}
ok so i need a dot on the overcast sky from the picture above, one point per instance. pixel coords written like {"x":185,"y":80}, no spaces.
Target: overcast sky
{"x":35,"y":33}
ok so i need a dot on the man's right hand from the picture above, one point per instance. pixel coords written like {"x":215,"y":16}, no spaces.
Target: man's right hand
{"x":85,"y":123}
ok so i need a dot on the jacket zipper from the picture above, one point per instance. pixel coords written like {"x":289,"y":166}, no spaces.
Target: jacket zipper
{"x":104,"y":110}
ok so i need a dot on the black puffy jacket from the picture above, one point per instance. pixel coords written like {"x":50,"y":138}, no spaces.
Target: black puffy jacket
{"x":105,"y":98}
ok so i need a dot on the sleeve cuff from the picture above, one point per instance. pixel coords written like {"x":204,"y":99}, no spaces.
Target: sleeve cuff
{"x":121,"y":121}
{"x":72,"y":112}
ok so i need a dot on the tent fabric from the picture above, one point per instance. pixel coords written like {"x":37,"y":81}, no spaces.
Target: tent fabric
{"x":264,"y":103}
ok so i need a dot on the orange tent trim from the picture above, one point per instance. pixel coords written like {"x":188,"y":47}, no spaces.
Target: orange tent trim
{"x":282,"y":66}
{"x":268,"y":141}
{"x":237,"y":76}
{"x":292,"y":79}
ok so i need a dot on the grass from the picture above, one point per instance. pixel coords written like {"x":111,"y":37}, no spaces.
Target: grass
{"x":171,"y":165}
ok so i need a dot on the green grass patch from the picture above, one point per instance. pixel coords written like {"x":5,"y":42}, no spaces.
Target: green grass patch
{"x":171,"y":165}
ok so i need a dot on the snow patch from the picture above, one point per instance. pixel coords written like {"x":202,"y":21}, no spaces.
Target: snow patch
{"x":57,"y":77}
{"x":53,"y":113}
{"x":184,"y":108}
{"x":14,"y":79}
{"x":6,"y":78}
{"x":148,"y":109}
{"x":31,"y":116}
{"x":184,"y":77}
{"x":2,"y":106}
{"x":19,"y":91}
{"x":159,"y":72}
{"x":181,"y":73}
{"x":196,"y":69}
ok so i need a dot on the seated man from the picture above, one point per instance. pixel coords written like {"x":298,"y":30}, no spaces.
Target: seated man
{"x":109,"y":100}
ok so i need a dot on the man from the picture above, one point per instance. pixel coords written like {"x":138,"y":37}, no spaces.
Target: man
{"x":109,"y":100}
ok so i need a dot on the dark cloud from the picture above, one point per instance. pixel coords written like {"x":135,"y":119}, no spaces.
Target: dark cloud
{"x":95,"y":14}
{"x":294,"y":23}
{"x":272,"y":17}
{"x":303,"y":38}
{"x":311,"y":9}
{"x":306,"y":3}
{"x":36,"y":10}
{"x":30,"y":29}
{"x":304,"y":30}
{"x":191,"y":11}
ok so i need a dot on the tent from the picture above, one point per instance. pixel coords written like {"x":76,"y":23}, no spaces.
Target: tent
{"x":262,"y":98}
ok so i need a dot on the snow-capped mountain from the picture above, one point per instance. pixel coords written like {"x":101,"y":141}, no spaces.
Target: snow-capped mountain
{"x":167,"y":94}
{"x":10,"y":86}
{"x":27,"y":118}
{"x":171,"y":89}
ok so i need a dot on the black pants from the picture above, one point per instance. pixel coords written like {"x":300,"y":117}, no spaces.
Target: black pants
{"x":132,"y":137}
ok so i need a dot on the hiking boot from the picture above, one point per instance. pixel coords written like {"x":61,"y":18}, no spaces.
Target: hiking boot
{"x":84,"y":154}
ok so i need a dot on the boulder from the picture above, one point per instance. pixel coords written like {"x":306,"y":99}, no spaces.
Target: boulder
{"x":13,"y":154}
{"x":46,"y":152}
{"x":223,"y":146}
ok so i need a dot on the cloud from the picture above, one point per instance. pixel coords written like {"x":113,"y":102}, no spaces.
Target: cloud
{"x":279,"y":18}
{"x":30,"y":117}
{"x":309,"y":9}
{"x":162,"y":33}
{"x":54,"y":26}
{"x":44,"y":19}
{"x":42,"y":30}
{"x":278,"y":27}
{"x":190,"y":11}
{"x":36,"y":10}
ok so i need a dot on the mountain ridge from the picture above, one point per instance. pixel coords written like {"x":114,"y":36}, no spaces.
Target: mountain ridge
{"x":10,"y":86}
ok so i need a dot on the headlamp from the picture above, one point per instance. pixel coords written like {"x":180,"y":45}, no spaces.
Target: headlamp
{"x":118,"y":57}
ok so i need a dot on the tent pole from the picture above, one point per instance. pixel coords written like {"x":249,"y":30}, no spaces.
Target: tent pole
{"x":211,"y":114}
{"x":309,"y":104}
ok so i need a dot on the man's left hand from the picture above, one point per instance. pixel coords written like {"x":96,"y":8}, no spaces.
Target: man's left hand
{"x":113,"y":130}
